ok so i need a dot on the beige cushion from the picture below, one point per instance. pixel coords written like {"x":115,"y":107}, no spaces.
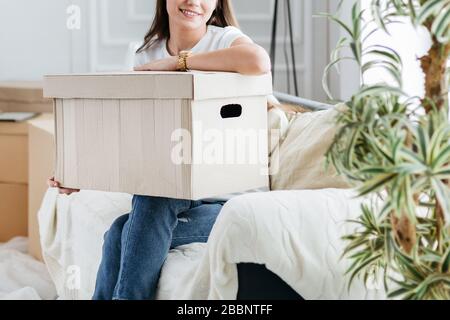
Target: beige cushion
{"x":299,"y":160}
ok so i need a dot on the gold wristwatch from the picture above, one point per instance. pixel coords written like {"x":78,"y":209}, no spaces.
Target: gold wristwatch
{"x":182,"y":60}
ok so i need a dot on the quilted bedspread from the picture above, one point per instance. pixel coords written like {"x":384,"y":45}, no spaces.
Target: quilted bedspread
{"x":296,"y":234}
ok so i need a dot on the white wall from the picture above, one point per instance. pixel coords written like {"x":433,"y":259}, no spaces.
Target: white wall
{"x":410,"y":43}
{"x":345,"y":83}
{"x":34,"y":39}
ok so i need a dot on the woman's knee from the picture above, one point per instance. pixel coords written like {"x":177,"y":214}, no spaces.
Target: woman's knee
{"x":138,"y":199}
{"x":158,"y":206}
{"x":115,"y":231}
{"x":147,"y":201}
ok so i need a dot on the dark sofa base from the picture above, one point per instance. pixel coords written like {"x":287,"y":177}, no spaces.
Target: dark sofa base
{"x":256,"y":282}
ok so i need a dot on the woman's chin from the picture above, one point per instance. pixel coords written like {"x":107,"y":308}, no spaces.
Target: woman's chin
{"x":191,"y":24}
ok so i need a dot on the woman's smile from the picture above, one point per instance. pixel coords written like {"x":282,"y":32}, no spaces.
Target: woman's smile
{"x":190,"y":13}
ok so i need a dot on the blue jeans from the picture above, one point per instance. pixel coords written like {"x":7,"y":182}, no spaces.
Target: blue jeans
{"x":138,"y":243}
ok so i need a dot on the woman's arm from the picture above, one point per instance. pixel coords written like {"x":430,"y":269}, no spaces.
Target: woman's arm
{"x":243,"y":57}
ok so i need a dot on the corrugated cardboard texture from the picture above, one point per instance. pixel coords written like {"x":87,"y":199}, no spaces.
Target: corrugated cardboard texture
{"x":41,"y":167}
{"x":122,"y":146}
{"x":114,"y":131}
{"x":13,"y":152}
{"x":13,"y":211}
{"x":157,"y":85}
{"x":125,"y":146}
{"x":26,"y":96}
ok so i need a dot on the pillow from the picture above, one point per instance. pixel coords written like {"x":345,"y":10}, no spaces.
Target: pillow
{"x":299,"y":160}
{"x":279,"y":116}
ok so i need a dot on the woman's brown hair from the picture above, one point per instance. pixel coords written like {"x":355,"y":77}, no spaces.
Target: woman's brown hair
{"x":222,"y":16}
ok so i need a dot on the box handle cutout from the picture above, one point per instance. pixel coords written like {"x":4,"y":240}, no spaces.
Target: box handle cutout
{"x":231,"y":111}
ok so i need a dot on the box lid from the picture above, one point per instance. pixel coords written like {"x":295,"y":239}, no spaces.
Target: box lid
{"x":194,"y":85}
{"x":22,"y":91}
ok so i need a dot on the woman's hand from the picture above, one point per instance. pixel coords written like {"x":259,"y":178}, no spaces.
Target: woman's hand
{"x":55,"y":184}
{"x":167,"y":64}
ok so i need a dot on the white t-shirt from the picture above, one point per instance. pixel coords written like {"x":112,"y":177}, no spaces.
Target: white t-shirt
{"x":216,"y":38}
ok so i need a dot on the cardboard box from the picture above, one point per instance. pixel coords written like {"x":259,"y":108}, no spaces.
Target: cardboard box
{"x":122,"y":132}
{"x":13,"y":209}
{"x":13,"y":179}
{"x":13,"y":152}
{"x":23,"y":96}
{"x":41,"y":166}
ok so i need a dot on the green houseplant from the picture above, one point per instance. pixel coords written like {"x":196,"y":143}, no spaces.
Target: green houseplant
{"x":396,"y":149}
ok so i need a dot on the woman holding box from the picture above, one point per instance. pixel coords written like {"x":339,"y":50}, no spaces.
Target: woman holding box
{"x":185,"y":34}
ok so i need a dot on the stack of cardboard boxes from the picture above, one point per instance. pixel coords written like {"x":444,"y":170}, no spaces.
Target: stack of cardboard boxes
{"x":13,"y":180}
{"x":21,"y":182}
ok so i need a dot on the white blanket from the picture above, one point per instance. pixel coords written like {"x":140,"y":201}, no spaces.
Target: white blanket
{"x":296,"y":234}
{"x":21,"y":276}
